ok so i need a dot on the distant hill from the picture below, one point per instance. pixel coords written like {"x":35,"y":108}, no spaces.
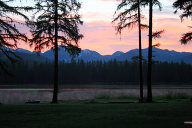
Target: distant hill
{"x":86,"y":55}
{"x":159,"y":55}
{"x":25,"y":55}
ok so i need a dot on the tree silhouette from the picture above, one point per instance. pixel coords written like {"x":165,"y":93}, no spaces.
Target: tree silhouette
{"x":56,"y":23}
{"x":149,"y":70}
{"x":9,"y":33}
{"x":186,"y":7}
{"x":129,"y":18}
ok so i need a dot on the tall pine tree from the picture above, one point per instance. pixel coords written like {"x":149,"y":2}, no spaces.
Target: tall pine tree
{"x":56,"y":24}
{"x":128,"y":15}
{"x":151,"y":35}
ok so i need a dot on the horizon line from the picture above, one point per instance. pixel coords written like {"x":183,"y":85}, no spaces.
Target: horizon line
{"x":113,"y":52}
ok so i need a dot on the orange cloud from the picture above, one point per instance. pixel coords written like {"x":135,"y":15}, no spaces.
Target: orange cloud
{"x":101,"y":36}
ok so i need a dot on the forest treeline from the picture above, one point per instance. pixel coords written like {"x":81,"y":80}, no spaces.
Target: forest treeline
{"x":112,"y":72}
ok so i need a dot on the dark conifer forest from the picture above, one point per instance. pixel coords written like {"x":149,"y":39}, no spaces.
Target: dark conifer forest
{"x":112,"y":72}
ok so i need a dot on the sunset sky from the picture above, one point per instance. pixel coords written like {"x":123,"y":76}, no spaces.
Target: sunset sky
{"x":100,"y":35}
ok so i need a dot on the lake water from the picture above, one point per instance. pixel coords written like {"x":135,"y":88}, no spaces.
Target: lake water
{"x":19,"y":96}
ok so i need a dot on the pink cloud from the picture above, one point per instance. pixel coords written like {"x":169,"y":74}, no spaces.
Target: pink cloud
{"x":109,"y":0}
{"x":101,"y":36}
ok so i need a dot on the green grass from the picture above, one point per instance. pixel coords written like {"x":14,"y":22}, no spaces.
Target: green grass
{"x":168,"y":98}
{"x":172,"y":96}
{"x":105,"y":99}
{"x":82,"y":115}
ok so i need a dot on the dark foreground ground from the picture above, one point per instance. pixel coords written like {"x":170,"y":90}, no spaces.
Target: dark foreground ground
{"x":95,"y":115}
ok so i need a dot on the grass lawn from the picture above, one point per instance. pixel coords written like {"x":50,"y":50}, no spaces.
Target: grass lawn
{"x":82,"y":115}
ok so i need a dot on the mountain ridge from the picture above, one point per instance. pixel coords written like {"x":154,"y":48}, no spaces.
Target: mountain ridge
{"x":162,"y":55}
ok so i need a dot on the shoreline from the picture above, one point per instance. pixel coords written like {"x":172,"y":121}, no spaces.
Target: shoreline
{"x":19,"y":96}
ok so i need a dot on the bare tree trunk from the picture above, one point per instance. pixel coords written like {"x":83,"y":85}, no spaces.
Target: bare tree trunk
{"x":55,"y":91}
{"x":149,"y":88}
{"x":140,"y":55}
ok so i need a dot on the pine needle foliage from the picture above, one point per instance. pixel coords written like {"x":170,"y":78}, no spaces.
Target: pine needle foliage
{"x":9,"y":33}
{"x":157,"y":34}
{"x":186,"y":7}
{"x":43,"y":26}
{"x":126,"y":15}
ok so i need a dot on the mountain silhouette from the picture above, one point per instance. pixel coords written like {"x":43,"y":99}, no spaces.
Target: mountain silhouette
{"x":162,"y":55}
